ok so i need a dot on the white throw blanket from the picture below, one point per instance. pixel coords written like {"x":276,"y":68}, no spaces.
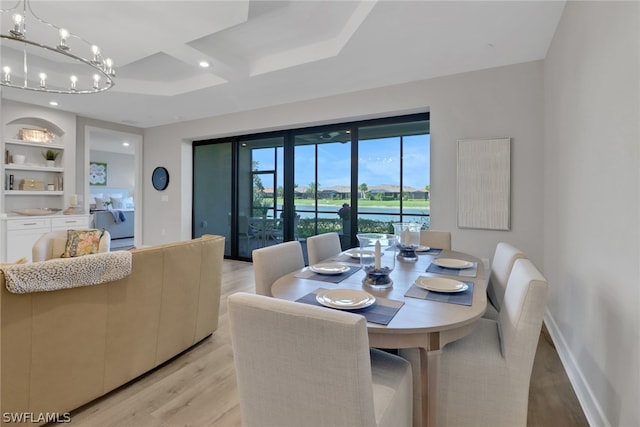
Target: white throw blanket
{"x":64,"y":273}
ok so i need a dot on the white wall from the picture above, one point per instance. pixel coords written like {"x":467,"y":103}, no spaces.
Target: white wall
{"x":505,"y":101}
{"x":591,"y":199}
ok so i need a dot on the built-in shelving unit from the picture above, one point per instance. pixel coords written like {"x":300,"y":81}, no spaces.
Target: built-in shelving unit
{"x":23,"y":159}
{"x":48,"y":180}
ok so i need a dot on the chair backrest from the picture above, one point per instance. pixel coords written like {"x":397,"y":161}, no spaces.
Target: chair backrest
{"x":323,"y":246}
{"x":272,"y":262}
{"x":52,"y":244}
{"x":501,"y":266}
{"x":436,"y":239}
{"x":298,"y":365}
{"x":521,"y":316}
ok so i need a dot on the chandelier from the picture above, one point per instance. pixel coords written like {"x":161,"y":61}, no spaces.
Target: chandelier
{"x":53,"y":67}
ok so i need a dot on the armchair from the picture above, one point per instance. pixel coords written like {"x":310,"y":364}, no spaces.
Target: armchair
{"x":52,"y":244}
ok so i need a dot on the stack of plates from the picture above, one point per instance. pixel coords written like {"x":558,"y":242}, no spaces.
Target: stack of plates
{"x":329,"y":268}
{"x":452,"y":263}
{"x":357,"y":253}
{"x":345,"y":299}
{"x":441,"y":284}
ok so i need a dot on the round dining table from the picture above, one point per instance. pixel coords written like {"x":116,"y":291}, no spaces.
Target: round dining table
{"x":421,"y":327}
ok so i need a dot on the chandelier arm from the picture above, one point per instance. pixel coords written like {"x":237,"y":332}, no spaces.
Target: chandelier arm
{"x":11,"y":8}
{"x":110,"y":83}
{"x":103,"y":67}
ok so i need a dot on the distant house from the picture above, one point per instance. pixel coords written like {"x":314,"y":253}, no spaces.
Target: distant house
{"x":393,"y":191}
{"x":343,"y":192}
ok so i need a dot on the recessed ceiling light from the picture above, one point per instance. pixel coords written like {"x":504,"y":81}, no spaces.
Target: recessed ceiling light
{"x":53,"y":103}
{"x":204,"y":64}
{"x":125,"y":144}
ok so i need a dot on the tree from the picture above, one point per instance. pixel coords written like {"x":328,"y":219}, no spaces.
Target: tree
{"x":363,"y":190}
{"x":312,"y":188}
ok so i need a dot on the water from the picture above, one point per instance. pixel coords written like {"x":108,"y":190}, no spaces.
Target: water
{"x":377,"y":213}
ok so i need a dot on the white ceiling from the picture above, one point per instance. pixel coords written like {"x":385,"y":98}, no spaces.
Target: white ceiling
{"x":265,"y":53}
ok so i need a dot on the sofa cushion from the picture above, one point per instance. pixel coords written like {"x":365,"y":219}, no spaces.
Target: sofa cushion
{"x":82,"y":242}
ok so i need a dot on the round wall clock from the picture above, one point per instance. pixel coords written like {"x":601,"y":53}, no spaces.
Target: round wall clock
{"x":160,"y":178}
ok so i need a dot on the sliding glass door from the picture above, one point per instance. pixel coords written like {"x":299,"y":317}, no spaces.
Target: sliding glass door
{"x":322,"y":165}
{"x":212,"y":195}
{"x":259,"y":201}
{"x":393,"y":175}
{"x":260,"y":190}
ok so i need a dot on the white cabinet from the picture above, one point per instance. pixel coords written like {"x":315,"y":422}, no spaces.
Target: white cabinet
{"x":22,"y":232}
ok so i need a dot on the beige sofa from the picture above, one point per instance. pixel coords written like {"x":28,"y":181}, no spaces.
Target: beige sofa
{"x":62,"y":349}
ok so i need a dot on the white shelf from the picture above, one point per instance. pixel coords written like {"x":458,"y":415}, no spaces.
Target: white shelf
{"x":19,"y":167}
{"x":33,"y":144}
{"x":32,"y":193}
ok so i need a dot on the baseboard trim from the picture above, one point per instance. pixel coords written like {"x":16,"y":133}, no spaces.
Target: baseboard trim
{"x":592,"y":410}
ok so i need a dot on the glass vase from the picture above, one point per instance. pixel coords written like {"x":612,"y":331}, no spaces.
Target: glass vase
{"x":377,"y":258}
{"x":408,"y":234}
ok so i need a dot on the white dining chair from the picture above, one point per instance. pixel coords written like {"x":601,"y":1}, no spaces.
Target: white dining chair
{"x":483,"y":378}
{"x":272,"y":262}
{"x":323,"y":246}
{"x":501,"y":265}
{"x":303,"y":365}
{"x":436,"y":239}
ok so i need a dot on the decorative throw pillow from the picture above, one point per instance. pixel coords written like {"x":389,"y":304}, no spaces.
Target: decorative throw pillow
{"x":93,"y":197}
{"x":100,"y":206}
{"x":117,"y":203}
{"x":127,"y":202}
{"x":82,"y":242}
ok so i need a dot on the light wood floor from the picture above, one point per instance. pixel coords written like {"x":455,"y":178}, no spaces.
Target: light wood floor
{"x":198,"y":388}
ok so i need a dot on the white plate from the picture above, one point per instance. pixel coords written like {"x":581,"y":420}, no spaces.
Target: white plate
{"x":329,"y":268}
{"x":345,"y":299}
{"x":423,"y":248}
{"x":440,"y":284}
{"x":355,"y":253}
{"x":452,"y":263}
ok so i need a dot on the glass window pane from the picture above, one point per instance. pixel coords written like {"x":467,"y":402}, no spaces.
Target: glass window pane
{"x":212,"y":191}
{"x":416,"y":163}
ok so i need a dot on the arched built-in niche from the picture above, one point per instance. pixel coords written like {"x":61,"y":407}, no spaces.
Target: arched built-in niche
{"x":38,"y":123}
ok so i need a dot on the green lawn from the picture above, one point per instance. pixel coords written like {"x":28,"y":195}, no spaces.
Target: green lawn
{"x":366,"y":203}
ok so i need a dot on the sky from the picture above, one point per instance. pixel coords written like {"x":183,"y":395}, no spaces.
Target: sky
{"x":378,"y":162}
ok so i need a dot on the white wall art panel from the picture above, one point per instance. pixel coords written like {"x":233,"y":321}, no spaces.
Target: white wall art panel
{"x":484,"y":183}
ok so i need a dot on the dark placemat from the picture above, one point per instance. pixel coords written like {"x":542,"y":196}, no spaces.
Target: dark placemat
{"x":346,"y":258}
{"x":381,"y":312}
{"x":431,"y":251}
{"x":463,"y":272}
{"x":331,"y":278}
{"x":462,"y":298}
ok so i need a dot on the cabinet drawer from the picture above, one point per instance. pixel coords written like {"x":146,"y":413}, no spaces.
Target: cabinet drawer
{"x":28,"y":223}
{"x":71,"y":222}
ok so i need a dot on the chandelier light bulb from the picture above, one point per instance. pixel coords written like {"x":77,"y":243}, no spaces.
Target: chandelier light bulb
{"x":108,"y":67}
{"x":74,"y":81}
{"x":18,"y":21}
{"x":96,"y":81}
{"x":43,"y":80}
{"x":6,"y":74}
{"x":96,"y":55}
{"x":64,"y":35}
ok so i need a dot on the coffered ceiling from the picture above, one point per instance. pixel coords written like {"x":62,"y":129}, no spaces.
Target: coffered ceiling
{"x":264,"y":53}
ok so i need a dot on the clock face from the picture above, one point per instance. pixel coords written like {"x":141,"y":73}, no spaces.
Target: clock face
{"x":160,"y":178}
